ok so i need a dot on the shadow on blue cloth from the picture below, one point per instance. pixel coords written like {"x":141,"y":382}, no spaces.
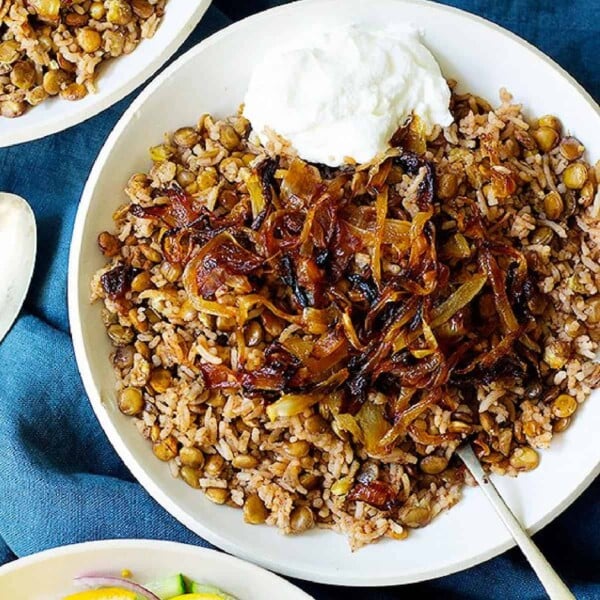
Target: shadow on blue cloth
{"x":60,"y":480}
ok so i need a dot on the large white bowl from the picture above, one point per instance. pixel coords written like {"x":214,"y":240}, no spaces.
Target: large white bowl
{"x":117,"y":78}
{"x":49,"y":575}
{"x":213,"y":77}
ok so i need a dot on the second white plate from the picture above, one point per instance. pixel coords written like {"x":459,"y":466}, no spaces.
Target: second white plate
{"x":49,"y":574}
{"x":118,"y":78}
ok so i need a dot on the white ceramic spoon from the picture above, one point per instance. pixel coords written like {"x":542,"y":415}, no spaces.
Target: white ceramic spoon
{"x":553,"y":584}
{"x":18,"y":242}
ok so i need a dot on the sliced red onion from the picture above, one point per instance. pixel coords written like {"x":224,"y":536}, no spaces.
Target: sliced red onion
{"x":96,"y":581}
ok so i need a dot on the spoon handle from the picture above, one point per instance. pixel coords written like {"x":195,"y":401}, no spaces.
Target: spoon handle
{"x":553,"y":584}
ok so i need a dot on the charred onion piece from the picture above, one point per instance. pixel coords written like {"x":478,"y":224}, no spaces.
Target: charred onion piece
{"x":280,"y":366}
{"x":178,"y":212}
{"x":376,"y":493}
{"x":116,"y":282}
{"x":209,"y":269}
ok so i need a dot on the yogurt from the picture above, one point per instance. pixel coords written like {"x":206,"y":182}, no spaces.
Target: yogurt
{"x":343,"y":93}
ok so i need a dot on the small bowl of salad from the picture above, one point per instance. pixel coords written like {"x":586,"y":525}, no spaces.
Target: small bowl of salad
{"x":139,"y":570}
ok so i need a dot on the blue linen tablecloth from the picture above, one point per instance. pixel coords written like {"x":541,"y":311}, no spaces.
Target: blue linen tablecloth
{"x":60,"y":480}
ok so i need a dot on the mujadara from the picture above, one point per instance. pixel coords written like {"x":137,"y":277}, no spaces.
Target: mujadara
{"x":312,"y":344}
{"x":54,"y":47}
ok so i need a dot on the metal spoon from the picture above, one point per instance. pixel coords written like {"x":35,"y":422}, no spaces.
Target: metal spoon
{"x":18,"y":242}
{"x":552,"y":583}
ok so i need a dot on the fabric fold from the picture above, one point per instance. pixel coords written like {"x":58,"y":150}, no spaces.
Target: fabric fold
{"x":61,"y":480}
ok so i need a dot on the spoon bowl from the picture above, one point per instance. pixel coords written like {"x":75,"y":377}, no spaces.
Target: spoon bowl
{"x":18,"y":244}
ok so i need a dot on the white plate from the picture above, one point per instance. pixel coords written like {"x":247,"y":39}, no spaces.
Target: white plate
{"x":49,"y":575}
{"x":483,"y":57}
{"x":117,"y":78}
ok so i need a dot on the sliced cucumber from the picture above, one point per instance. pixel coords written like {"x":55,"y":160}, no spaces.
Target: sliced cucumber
{"x":169,"y":587}
{"x":200,"y":596}
{"x":205,"y":588}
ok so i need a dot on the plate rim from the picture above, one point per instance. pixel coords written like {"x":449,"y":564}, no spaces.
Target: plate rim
{"x":61,"y":122}
{"x":215,"y":537}
{"x":143,"y":545}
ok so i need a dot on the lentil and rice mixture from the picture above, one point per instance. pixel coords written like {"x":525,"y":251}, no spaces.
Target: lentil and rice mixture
{"x":312,"y":344}
{"x":53,"y":47}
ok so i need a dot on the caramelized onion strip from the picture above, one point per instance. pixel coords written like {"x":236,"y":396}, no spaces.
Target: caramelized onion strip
{"x":443,"y":312}
{"x":406,"y":417}
{"x":381,"y":206}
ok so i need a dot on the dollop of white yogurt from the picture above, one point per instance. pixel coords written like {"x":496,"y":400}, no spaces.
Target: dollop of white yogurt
{"x":343,"y":93}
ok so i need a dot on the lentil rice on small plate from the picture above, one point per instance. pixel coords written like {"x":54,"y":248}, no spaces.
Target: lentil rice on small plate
{"x":52,"y":48}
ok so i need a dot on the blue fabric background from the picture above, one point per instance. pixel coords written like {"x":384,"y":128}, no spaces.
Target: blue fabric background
{"x":60,"y":480}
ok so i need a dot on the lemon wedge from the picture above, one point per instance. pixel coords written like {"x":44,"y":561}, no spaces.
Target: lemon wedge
{"x":109,"y":593}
